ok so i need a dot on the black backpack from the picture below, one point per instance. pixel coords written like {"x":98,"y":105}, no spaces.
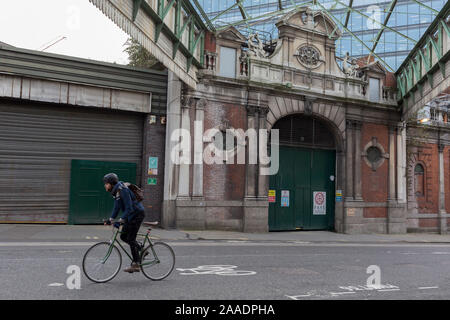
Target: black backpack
{"x":138,"y":192}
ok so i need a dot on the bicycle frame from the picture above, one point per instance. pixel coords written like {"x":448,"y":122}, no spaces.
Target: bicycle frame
{"x":146,"y":239}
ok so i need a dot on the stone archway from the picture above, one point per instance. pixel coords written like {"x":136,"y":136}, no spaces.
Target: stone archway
{"x":331,"y":115}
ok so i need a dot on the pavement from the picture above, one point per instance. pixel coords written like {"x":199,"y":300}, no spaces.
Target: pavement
{"x":44,"y":233}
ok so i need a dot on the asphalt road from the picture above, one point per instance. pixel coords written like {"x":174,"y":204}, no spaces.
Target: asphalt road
{"x":278,"y":270}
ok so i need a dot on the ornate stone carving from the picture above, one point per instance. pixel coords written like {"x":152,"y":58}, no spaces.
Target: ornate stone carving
{"x":256,"y":46}
{"x":201,"y":104}
{"x":349,"y":66}
{"x":309,"y":56}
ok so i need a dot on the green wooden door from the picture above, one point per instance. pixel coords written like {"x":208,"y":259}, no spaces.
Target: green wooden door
{"x":303,"y":173}
{"x":89,"y":202}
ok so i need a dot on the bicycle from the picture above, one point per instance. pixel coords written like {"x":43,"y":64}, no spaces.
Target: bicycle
{"x":103,"y":260}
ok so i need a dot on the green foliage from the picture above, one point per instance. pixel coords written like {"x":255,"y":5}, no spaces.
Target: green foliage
{"x":140,"y":57}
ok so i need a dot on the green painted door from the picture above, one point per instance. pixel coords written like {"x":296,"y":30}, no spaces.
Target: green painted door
{"x":303,"y":174}
{"x":89,"y":202}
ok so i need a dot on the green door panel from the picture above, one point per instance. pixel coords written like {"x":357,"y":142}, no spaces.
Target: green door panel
{"x":302,"y":172}
{"x":89,"y":202}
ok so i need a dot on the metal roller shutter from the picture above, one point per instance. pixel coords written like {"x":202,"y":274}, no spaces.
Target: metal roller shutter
{"x":37,"y":144}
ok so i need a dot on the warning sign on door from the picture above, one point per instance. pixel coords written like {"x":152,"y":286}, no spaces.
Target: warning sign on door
{"x":271,"y":196}
{"x":285,"y":198}
{"x":319,"y":203}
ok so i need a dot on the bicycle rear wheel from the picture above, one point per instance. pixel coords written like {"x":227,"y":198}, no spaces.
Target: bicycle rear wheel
{"x":158,"y":261}
{"x":102,"y":262}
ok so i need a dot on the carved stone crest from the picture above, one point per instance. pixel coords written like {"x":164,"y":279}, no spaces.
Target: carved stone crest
{"x":309,"y":56}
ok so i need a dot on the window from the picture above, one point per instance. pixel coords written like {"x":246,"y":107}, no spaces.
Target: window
{"x":373,"y":154}
{"x":374,"y":89}
{"x":227,"y":62}
{"x":419,"y":180}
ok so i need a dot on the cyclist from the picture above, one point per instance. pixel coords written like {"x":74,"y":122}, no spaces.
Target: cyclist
{"x":132,"y":216}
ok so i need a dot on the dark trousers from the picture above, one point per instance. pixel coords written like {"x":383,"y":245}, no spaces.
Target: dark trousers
{"x":129,"y":233}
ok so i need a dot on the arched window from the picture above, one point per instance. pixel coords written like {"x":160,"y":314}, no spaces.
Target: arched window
{"x":419,"y":180}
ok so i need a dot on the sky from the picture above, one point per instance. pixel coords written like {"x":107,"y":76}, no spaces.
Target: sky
{"x":31,"y":24}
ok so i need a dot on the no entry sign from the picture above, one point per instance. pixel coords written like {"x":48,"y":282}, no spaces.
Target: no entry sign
{"x":319,"y":203}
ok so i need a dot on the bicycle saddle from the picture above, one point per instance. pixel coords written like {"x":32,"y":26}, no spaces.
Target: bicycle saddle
{"x":150,"y":224}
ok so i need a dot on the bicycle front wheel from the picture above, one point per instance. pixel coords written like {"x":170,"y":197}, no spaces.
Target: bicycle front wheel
{"x":158,"y":261}
{"x":102,"y":262}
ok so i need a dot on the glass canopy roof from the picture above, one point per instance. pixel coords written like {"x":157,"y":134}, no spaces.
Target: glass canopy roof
{"x":386,"y":30}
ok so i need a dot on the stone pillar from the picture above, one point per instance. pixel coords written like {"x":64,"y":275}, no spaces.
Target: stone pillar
{"x":184,"y":181}
{"x":357,"y":178}
{"x":191,"y":213}
{"x":401,"y":177}
{"x":349,"y":162}
{"x":392,"y":195}
{"x":442,"y":211}
{"x":396,"y":219}
{"x":251,"y":169}
{"x":173,"y":121}
{"x":197,"y":188}
{"x":256,"y":206}
{"x":263,"y":180}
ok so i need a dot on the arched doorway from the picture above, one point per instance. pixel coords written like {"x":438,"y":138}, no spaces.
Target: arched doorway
{"x":302,"y":193}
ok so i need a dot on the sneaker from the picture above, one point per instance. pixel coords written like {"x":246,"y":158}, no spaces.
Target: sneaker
{"x":133,"y":268}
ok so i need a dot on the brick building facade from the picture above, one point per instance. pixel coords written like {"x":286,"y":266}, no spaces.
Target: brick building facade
{"x":298,"y":80}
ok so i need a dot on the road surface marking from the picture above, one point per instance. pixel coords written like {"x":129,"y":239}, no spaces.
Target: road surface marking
{"x":222,"y":270}
{"x":56,"y":284}
{"x":385,"y":290}
{"x":344,"y":292}
{"x":426,"y":288}
{"x":299,"y":296}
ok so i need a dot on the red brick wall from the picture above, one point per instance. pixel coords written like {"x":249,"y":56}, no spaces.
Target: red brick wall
{"x":375,"y":183}
{"x":428,"y":156}
{"x":375,"y":212}
{"x":222,"y":181}
{"x":210,"y":42}
{"x":428,"y":223}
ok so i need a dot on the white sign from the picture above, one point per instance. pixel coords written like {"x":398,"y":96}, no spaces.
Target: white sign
{"x":319,"y":203}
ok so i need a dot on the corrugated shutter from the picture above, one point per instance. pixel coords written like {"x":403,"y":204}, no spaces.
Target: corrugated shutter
{"x":37,"y":144}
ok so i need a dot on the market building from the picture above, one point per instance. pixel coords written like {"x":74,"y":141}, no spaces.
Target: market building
{"x":360,"y":149}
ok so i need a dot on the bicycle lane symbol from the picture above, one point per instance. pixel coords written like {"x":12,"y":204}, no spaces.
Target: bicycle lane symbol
{"x":221,"y":270}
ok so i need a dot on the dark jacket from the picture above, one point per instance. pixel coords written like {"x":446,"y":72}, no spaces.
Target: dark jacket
{"x":125,"y":201}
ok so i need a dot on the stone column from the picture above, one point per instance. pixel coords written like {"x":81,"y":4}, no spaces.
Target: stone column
{"x":396,"y":219}
{"x":197,"y":188}
{"x":349,"y":162}
{"x":184,"y":181}
{"x":442,"y":211}
{"x":263,"y":180}
{"x":256,"y":207}
{"x":401,"y":153}
{"x":357,"y":179}
{"x":392,"y":195}
{"x":252,"y":147}
{"x":173,"y":121}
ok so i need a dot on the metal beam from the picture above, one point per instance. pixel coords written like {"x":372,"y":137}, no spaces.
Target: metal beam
{"x":258,"y":18}
{"x":241,"y":9}
{"x":359,"y":40}
{"x":376,"y":21}
{"x":347,"y":17}
{"x":204,"y":16}
{"x":425,"y":6}
{"x":386,"y":20}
